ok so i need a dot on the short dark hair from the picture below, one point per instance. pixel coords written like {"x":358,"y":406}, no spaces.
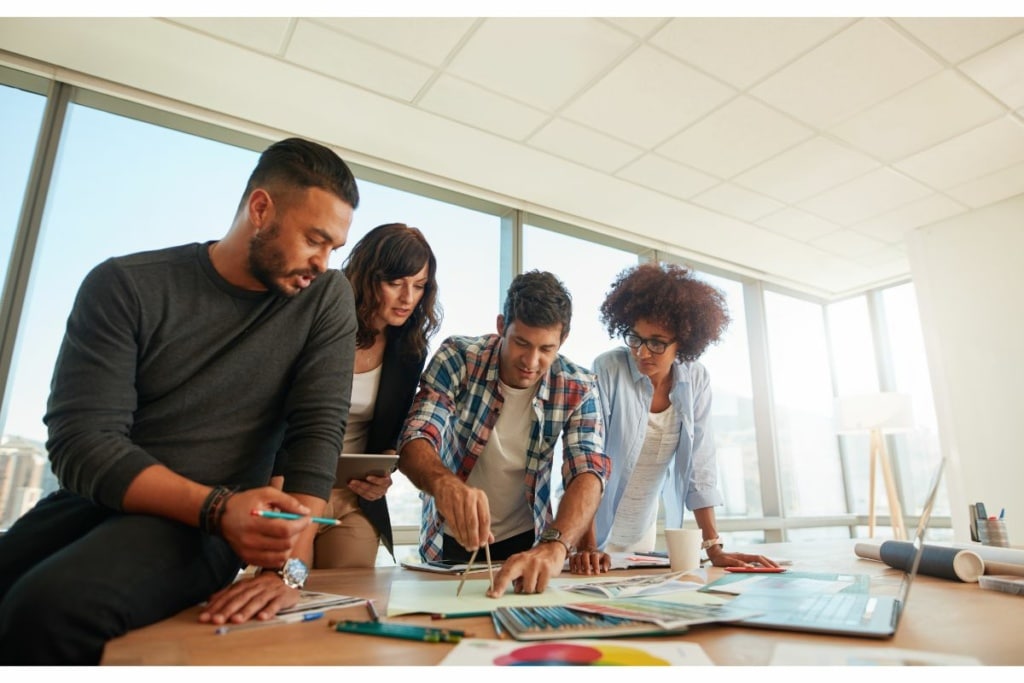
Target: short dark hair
{"x":671,"y":297}
{"x":389,"y":252}
{"x":538,"y":299}
{"x":297,"y":164}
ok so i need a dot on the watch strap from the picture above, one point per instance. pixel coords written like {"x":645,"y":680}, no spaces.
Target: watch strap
{"x":710,"y":542}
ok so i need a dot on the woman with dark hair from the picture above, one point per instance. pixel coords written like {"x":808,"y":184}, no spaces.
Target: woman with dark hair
{"x":656,"y":403}
{"x":393,"y":274}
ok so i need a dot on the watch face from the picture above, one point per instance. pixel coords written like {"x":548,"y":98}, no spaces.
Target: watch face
{"x":294,"y":573}
{"x":550,"y":534}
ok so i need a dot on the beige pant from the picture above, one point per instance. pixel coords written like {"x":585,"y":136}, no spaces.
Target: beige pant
{"x":353,"y":543}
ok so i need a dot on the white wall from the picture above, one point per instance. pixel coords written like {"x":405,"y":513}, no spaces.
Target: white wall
{"x":969,"y":276}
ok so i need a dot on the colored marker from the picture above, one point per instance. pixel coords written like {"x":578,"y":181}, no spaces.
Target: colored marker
{"x":1001,"y":512}
{"x":277,"y":621}
{"x":274,"y":514}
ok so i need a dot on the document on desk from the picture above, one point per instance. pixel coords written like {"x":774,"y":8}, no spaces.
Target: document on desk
{"x":646,"y":584}
{"x":438,"y":597}
{"x":803,"y":654}
{"x":312,"y":600}
{"x":793,"y":582}
{"x":581,"y":652}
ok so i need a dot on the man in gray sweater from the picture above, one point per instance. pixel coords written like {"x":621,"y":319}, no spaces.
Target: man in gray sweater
{"x":183,"y":373}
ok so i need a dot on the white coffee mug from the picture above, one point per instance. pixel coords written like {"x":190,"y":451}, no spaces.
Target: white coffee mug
{"x":683,"y":548}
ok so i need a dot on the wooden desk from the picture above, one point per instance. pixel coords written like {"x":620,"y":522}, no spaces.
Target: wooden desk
{"x":943,"y":616}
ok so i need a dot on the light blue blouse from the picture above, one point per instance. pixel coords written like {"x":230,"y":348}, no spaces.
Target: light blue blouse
{"x":626,"y":395}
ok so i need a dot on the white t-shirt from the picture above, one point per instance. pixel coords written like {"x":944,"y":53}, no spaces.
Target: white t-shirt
{"x":501,"y":468}
{"x":635,"y":527}
{"x":364,"y":395}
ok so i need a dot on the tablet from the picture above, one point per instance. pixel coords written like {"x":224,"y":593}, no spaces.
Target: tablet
{"x":361,"y":465}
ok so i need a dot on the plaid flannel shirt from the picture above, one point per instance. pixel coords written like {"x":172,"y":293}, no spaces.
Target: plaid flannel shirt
{"x":458,"y":404}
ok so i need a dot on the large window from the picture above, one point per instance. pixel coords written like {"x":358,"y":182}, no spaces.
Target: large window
{"x":732,"y":408}
{"x":121,"y":184}
{"x":467,"y":244}
{"x":20,"y":115}
{"x":587,"y":269}
{"x":809,"y":470}
{"x":916,"y":453}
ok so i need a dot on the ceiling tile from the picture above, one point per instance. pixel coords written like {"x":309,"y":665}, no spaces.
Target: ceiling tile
{"x":576,"y":143}
{"x":667,"y":176}
{"x":977,"y":153}
{"x":919,"y":117}
{"x":638,"y":26}
{"x":471,"y":104}
{"x":860,"y":67}
{"x":1001,"y":71}
{"x":806,"y":169}
{"x":886,"y":255}
{"x":957,"y":38}
{"x":542,"y":62}
{"x":848,"y":243}
{"x":737,"y":202}
{"x":334,"y":54}
{"x":741,"y":134}
{"x":893,"y":225}
{"x":798,"y":225}
{"x":646,"y":98}
{"x":994,"y":187}
{"x":265,"y":34}
{"x":742,"y":50}
{"x":428,"y":39}
{"x":873,"y":193}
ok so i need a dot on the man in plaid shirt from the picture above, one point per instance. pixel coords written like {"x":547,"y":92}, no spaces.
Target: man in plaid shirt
{"x":480,"y":438}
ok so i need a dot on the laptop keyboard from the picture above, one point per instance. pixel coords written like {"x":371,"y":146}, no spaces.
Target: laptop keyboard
{"x":837,"y":609}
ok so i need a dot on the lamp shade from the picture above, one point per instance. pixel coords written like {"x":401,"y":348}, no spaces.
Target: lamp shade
{"x":887,"y":411}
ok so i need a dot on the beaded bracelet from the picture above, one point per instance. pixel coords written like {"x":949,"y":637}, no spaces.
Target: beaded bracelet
{"x":212,"y":511}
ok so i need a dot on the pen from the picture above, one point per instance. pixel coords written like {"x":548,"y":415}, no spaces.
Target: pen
{"x":459,"y":615}
{"x":274,"y":514}
{"x":277,"y":621}
{"x":372,"y":610}
{"x":1001,"y":511}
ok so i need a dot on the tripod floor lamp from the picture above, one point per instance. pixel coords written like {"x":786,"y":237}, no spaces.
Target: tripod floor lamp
{"x":878,"y":414}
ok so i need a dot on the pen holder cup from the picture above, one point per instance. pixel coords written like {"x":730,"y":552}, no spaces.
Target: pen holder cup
{"x":993,"y":532}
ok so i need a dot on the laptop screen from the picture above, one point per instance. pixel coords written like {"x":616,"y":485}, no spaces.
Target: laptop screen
{"x":918,"y":541}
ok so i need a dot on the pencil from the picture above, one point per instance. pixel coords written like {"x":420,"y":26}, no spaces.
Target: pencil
{"x":469,"y":565}
{"x":274,"y":514}
{"x":276,"y":621}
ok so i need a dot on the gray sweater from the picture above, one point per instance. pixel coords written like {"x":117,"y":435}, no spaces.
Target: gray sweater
{"x":164,"y":361}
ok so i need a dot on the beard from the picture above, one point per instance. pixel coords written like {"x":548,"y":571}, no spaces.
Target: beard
{"x":268,"y":265}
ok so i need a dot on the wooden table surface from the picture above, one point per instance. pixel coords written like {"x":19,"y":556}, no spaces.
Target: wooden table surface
{"x":943,"y":616}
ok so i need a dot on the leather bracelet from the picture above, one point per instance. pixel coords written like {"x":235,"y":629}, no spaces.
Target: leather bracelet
{"x":212,"y":510}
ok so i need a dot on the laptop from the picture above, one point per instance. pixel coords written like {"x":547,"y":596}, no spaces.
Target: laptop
{"x":839,"y":613}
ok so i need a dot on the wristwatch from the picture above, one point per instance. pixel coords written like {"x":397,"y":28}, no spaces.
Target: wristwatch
{"x":294,"y":573}
{"x":553,"y":535}
{"x":710,"y":542}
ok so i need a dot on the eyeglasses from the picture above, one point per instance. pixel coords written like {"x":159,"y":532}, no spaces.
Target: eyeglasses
{"x":635,"y":341}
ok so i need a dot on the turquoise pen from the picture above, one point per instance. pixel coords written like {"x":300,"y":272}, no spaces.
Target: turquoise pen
{"x":274,"y":514}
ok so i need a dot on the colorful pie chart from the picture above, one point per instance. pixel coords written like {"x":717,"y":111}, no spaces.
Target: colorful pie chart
{"x":570,"y":654}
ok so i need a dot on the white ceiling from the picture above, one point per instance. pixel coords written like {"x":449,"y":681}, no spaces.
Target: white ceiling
{"x":797,"y":150}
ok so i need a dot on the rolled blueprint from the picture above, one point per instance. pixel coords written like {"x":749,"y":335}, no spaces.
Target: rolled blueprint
{"x":997,"y":560}
{"x":939,"y":561}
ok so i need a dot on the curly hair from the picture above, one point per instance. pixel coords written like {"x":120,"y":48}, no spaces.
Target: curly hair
{"x":389,"y":252}
{"x":671,"y":297}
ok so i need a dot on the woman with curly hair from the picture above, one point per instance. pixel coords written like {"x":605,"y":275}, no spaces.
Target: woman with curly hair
{"x":393,"y":274}
{"x":656,"y":400}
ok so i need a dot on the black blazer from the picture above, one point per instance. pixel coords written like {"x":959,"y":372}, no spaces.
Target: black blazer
{"x":399,"y":377}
